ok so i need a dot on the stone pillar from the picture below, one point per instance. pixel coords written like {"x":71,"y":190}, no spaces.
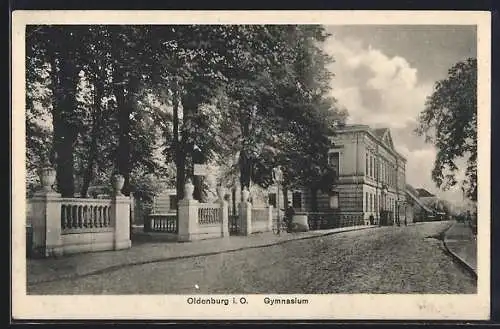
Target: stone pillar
{"x":270,"y":218}
{"x":46,"y":223}
{"x":224,"y":212}
{"x":120,"y":217}
{"x":187,"y":215}
{"x":188,"y":220}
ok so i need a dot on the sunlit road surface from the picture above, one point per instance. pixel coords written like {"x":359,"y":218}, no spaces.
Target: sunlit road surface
{"x":380,"y":260}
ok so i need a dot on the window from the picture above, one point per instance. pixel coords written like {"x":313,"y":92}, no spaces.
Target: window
{"x":367,"y":165}
{"x":297,"y":200}
{"x":334,"y":200}
{"x":372,"y":171}
{"x":333,"y":160}
{"x":371,"y":202}
{"x":366,"y":202}
{"x":173,"y":202}
{"x":272,"y":199}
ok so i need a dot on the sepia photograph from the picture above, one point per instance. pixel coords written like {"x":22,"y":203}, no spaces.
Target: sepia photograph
{"x":240,"y":167}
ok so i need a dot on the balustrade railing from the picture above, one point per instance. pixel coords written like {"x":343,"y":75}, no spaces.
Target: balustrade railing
{"x":260,"y":214}
{"x":209,"y":214}
{"x":165,"y":223}
{"x":85,"y":215}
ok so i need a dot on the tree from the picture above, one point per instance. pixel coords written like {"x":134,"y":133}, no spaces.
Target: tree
{"x":94,"y":94}
{"x":449,"y":121}
{"x":277,"y":105}
{"x":57,"y":49}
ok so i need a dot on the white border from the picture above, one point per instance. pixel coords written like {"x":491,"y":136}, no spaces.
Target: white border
{"x":356,"y":306}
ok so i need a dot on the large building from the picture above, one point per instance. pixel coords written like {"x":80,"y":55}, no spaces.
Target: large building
{"x":371,"y":178}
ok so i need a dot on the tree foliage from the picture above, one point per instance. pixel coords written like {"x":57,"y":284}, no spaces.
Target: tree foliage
{"x":449,"y":121}
{"x":120,"y":96}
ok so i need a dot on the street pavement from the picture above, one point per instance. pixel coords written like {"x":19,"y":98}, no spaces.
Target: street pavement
{"x":376,"y":260}
{"x":155,"y":247}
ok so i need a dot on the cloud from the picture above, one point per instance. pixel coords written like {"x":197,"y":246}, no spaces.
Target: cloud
{"x":376,"y":89}
{"x":383,"y":91}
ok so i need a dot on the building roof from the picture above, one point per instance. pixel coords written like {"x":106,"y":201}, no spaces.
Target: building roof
{"x":379,"y":132}
{"x":383,"y":135}
{"x":423,"y":193}
{"x":410,"y":192}
{"x":412,"y":189}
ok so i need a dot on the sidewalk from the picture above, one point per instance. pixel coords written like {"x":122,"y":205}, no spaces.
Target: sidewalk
{"x":461,"y":242}
{"x":71,"y":266}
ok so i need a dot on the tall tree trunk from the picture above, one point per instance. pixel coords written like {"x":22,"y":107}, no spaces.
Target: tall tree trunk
{"x":179,"y":158}
{"x":89,"y":170}
{"x":245,"y":160}
{"x":245,"y":170}
{"x":285,"y":196}
{"x":126,"y":105}
{"x":314,"y":199}
{"x":64,"y":140}
{"x":65,"y":132}
{"x":96,"y":126}
{"x":189,"y":106}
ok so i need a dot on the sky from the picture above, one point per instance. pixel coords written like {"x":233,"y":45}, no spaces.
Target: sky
{"x":383,"y":75}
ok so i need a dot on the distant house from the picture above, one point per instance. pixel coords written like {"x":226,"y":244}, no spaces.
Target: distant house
{"x":426,"y":206}
{"x":418,"y":210}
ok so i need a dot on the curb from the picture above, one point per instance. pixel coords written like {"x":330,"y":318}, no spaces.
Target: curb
{"x":457,"y":257}
{"x":167,"y":259}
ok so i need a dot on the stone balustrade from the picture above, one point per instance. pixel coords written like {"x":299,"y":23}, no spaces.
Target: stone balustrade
{"x":85,"y":215}
{"x":199,"y":221}
{"x":209,"y":214}
{"x":72,"y":225}
{"x":166,"y":223}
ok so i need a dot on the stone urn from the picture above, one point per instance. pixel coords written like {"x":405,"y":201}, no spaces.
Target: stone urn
{"x":221,"y":192}
{"x":188,"y":190}
{"x":245,"y":195}
{"x":47,"y":176}
{"x":118,"y":181}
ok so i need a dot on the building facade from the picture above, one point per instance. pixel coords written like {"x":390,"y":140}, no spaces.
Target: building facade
{"x":371,"y":177}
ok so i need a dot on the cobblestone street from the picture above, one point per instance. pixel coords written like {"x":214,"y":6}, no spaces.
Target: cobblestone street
{"x":379,"y":260}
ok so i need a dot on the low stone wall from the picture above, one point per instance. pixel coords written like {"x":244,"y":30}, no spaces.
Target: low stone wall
{"x":261,"y":219}
{"x":87,"y":242}
{"x":73,"y":225}
{"x":199,"y":221}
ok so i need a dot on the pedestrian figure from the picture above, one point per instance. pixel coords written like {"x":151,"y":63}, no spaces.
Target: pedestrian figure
{"x":289,"y":212}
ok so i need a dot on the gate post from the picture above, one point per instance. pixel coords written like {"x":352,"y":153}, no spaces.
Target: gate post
{"x":120,"y":217}
{"x":187,"y":215}
{"x":270,"y":218}
{"x":46,"y":224}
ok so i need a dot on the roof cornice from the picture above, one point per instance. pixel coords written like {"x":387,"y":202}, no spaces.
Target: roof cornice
{"x":367,"y":129}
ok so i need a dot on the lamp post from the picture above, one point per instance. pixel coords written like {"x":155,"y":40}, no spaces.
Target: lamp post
{"x":278,"y":178}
